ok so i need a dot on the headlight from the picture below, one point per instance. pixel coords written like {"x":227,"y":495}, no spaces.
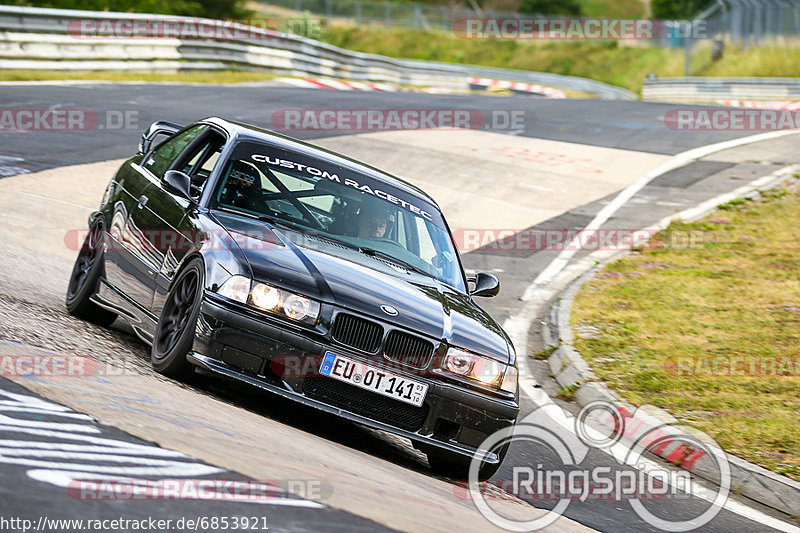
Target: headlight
{"x":271,"y":299}
{"x":236,"y":288}
{"x":265,"y":297}
{"x":481,"y":369}
{"x":510,"y":380}
{"x":297,"y":307}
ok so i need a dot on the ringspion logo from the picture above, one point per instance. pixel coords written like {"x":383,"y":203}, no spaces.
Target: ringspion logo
{"x":573,"y":476}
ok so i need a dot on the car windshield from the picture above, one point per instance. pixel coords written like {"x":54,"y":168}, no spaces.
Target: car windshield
{"x":337,"y":202}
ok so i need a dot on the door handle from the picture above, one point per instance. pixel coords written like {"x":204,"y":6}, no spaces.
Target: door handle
{"x":143,"y":201}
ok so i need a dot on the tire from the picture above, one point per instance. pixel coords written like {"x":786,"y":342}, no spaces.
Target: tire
{"x":176,"y":326}
{"x":457,"y":466}
{"x":84,"y":280}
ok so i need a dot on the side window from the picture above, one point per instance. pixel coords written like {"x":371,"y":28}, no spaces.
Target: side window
{"x":159,"y":161}
{"x":201,"y":161}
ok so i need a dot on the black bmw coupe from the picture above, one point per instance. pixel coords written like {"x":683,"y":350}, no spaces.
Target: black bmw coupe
{"x":241,"y":253}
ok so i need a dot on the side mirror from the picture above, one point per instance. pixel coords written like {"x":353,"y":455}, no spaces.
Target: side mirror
{"x":178,"y":183}
{"x":485,"y":285}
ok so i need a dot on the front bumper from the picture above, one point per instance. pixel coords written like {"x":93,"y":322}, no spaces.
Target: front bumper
{"x":238,"y":346}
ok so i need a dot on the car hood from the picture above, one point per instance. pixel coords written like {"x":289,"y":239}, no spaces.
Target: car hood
{"x":351,"y":280}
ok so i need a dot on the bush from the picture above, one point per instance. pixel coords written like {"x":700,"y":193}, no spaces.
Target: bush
{"x":551,"y":7}
{"x":216,"y":9}
{"x":677,"y":9}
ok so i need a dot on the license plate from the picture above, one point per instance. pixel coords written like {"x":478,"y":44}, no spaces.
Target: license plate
{"x":373,"y":379}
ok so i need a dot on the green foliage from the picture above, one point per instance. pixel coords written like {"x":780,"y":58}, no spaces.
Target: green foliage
{"x":727,"y":206}
{"x":218,"y":9}
{"x":729,"y":297}
{"x":677,"y":9}
{"x":568,"y":393}
{"x":543,"y":355}
{"x":551,"y":7}
{"x":627,"y":9}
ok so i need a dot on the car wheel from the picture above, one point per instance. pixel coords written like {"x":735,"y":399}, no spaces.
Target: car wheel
{"x":457,"y":466}
{"x":84,"y":279}
{"x":176,"y":327}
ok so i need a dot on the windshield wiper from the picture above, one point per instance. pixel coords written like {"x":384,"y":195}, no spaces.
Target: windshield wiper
{"x":326,"y":236}
{"x":318,"y":234}
{"x":392,"y":259}
{"x":272,"y":220}
{"x":280,"y":222}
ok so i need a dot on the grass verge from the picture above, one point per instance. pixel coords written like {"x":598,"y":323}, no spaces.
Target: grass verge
{"x":607,"y":61}
{"x":625,"y":66}
{"x":710,"y":332}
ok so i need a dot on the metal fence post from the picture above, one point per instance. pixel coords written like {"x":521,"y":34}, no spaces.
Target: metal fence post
{"x":687,"y":51}
{"x":796,"y":18}
{"x":744,"y":23}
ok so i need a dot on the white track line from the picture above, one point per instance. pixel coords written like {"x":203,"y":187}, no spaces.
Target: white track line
{"x":558,"y":264}
{"x":537,"y":294}
{"x":619,"y":452}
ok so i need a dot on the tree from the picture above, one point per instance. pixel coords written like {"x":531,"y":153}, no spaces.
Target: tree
{"x":677,"y":9}
{"x":218,"y":9}
{"x":551,"y":7}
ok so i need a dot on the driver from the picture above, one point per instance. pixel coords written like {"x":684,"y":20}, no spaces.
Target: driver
{"x":373,"y":221}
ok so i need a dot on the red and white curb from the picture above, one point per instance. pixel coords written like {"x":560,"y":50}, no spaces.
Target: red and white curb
{"x":552,"y":92}
{"x":783,"y":105}
{"x":324,"y":83}
{"x":556,"y":280}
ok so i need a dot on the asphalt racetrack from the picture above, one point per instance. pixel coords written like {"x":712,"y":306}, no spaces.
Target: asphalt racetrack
{"x":554,"y":166}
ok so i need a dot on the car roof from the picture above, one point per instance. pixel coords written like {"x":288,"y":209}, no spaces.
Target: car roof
{"x":250,"y":132}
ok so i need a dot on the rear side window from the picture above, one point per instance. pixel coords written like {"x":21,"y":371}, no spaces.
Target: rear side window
{"x":159,"y":161}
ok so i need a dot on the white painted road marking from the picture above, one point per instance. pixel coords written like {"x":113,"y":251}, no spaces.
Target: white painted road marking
{"x":71,"y":453}
{"x":553,"y":279}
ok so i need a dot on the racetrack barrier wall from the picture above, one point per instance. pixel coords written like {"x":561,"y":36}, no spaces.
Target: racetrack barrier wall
{"x":36,"y":38}
{"x":709,"y":89}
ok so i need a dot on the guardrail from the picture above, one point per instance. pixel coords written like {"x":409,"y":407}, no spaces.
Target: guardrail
{"x":707,"y":89}
{"x":36,"y":38}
